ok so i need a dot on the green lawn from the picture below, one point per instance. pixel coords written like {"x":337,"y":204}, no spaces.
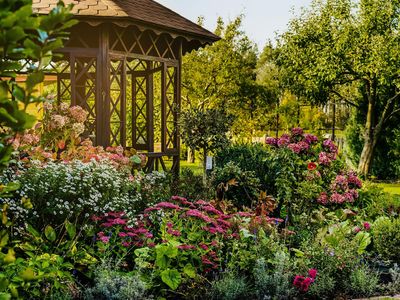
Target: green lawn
{"x":197,"y":167}
{"x":393,"y":188}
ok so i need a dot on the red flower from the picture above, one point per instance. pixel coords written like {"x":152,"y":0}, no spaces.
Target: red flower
{"x":305,"y":285}
{"x":298,"y":280}
{"x":367,"y":226}
{"x":312,"y":166}
{"x":312,"y":273}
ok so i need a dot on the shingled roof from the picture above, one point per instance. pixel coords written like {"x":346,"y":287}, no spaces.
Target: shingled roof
{"x":142,"y":11}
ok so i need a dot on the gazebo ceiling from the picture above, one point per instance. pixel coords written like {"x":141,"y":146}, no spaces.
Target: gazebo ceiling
{"x":144,"y":14}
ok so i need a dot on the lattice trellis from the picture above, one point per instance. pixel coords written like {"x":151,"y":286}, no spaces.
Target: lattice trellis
{"x":83,"y":76}
{"x":117,"y":103}
{"x":128,"y":81}
{"x":147,"y":43}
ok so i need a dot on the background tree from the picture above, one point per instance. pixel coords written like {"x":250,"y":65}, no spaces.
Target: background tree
{"x":223,"y":76}
{"x":348,"y":51}
{"x":206,"y":130}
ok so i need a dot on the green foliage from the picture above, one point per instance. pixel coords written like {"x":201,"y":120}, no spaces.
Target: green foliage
{"x":324,"y":286}
{"x":386,"y":237}
{"x":110,"y":284}
{"x":205,"y":129}
{"x":361,"y":70}
{"x":363,"y":282}
{"x":25,"y":38}
{"x":375,"y":202}
{"x":229,"y":286}
{"x":248,"y":157}
{"x":240,"y":187}
{"x":393,"y":287}
{"x":192,"y":186}
{"x":273,"y":280}
{"x":223,"y":75}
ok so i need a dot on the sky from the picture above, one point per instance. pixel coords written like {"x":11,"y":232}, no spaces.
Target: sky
{"x":263,"y":18}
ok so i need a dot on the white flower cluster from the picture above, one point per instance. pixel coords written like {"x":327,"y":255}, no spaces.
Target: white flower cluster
{"x":73,"y":190}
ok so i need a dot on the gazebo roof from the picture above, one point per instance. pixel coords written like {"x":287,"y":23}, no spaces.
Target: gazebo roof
{"x":140,"y":12}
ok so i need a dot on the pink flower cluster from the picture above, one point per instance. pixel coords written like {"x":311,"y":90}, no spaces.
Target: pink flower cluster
{"x":297,"y":141}
{"x":343,"y":189}
{"x":303,"y":283}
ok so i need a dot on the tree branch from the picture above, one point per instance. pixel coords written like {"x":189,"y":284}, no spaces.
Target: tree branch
{"x":344,"y":99}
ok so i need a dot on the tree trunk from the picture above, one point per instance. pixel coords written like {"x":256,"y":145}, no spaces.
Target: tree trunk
{"x":191,"y":155}
{"x":366,"y":158}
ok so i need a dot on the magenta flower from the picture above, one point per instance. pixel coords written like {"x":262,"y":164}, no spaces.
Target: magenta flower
{"x":337,"y":198}
{"x":310,"y":138}
{"x":297,"y":131}
{"x":122,"y":234}
{"x":323,"y":159}
{"x":198,"y":214}
{"x":356,"y":229}
{"x":105,"y":239}
{"x":367,"y":226}
{"x":312,"y":273}
{"x":323,"y":198}
{"x":282,"y":142}
{"x":295,"y":148}
{"x":271,"y":141}
{"x":168,"y":205}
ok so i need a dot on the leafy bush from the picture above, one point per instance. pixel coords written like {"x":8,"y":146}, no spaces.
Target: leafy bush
{"x":174,"y":242}
{"x":376,"y":202}
{"x":273,"y":281}
{"x":393,"y":287}
{"x":110,"y":284}
{"x":363,"y":282}
{"x":192,"y":186}
{"x":386,"y":237}
{"x":229,"y":286}
{"x":251,"y":158}
{"x":324,"y":286}
{"x":240,"y":187}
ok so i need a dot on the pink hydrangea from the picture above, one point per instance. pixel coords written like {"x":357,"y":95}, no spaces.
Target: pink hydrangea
{"x":271,"y":141}
{"x":295,"y":148}
{"x":337,"y":198}
{"x":323,"y":159}
{"x":283,"y":142}
{"x":297,"y":131}
{"x":323,"y":198}
{"x":310,"y":138}
{"x":330,"y":145}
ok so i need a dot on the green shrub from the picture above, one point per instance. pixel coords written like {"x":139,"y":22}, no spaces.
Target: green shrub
{"x":192,"y":186}
{"x":274,"y":281}
{"x":110,"y":284}
{"x":245,"y":188}
{"x":386,"y":238}
{"x":363,"y":282}
{"x":229,"y":287}
{"x":248,"y":157}
{"x":324,"y":286}
{"x":393,"y":287}
{"x":375,"y":202}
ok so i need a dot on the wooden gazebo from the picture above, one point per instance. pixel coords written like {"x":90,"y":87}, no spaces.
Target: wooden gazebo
{"x":122,"y":64}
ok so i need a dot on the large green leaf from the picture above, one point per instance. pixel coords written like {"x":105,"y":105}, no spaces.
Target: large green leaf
{"x":71,"y":229}
{"x":172,"y":278}
{"x":190,"y":271}
{"x":50,"y":233}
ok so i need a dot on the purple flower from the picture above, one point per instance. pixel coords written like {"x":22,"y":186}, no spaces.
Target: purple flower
{"x":330,"y":145}
{"x":295,"y":148}
{"x":303,"y":145}
{"x":323,"y":159}
{"x":283,"y":142}
{"x":297,"y":131}
{"x":310,"y":138}
{"x":168,"y":205}
{"x":271,"y":141}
